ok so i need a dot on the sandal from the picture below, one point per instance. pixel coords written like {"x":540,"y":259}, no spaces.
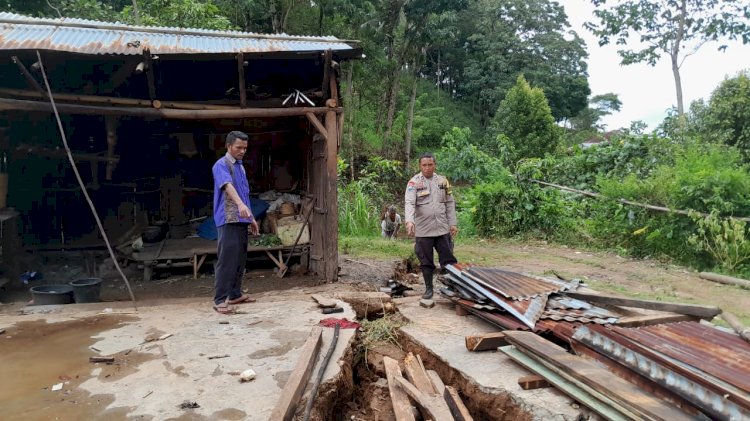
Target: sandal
{"x":224,"y":308}
{"x":244,"y":298}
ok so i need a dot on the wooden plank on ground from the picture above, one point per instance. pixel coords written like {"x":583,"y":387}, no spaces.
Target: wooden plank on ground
{"x":704,"y":312}
{"x":486,"y":342}
{"x":417,"y":374}
{"x":587,"y":372}
{"x":399,"y":398}
{"x":433,"y":405}
{"x":532,"y":382}
{"x":655,"y":319}
{"x":295,"y":386}
{"x":437,"y":382}
{"x":323,"y":301}
{"x":456,"y":405}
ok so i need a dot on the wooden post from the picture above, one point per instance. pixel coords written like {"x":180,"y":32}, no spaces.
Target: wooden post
{"x":150,"y":74}
{"x":327,"y":58}
{"x":241,"y":73}
{"x":110,"y":124}
{"x":331,"y":194}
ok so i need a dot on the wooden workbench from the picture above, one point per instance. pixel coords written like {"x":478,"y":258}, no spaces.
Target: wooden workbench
{"x":193,"y":252}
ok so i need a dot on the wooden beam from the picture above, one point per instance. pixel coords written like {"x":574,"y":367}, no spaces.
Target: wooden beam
{"x":738,"y":327}
{"x":60,"y":153}
{"x":150,"y":79}
{"x":7,"y":104}
{"x":330,"y":242}
{"x":459,"y":411}
{"x":723,"y":279}
{"x":655,"y":319}
{"x":401,"y":405}
{"x":295,"y":386}
{"x":29,"y":79}
{"x":437,"y":382}
{"x":97,"y":99}
{"x":318,"y":125}
{"x":241,"y":75}
{"x":327,"y":59}
{"x":704,"y":312}
{"x":532,"y":382}
{"x":417,"y":374}
{"x":434,"y":406}
{"x":486,"y":342}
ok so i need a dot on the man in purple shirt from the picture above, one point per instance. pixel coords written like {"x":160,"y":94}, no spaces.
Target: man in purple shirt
{"x":233,"y":221}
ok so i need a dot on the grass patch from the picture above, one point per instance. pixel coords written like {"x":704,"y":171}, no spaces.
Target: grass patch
{"x":381,"y":331}
{"x":376,"y":247}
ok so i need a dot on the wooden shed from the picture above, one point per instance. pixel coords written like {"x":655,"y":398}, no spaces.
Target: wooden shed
{"x":146,"y":111}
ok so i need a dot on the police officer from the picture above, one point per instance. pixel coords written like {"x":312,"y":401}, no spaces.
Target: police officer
{"x":431,"y":215}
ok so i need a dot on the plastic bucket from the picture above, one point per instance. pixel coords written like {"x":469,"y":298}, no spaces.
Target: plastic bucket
{"x":52,"y":294}
{"x":86,"y":290}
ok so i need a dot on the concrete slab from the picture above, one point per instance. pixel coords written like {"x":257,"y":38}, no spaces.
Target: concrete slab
{"x":266,"y":338}
{"x":441,"y":332}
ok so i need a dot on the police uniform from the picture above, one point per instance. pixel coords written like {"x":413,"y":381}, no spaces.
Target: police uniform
{"x":430,"y":206}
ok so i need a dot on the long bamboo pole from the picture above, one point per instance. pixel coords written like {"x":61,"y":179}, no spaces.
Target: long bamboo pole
{"x":629,"y":202}
{"x":7,"y":104}
{"x":80,"y":182}
{"x":97,"y":99}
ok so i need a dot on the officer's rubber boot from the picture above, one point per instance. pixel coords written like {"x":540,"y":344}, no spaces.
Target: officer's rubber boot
{"x":428,"y":285}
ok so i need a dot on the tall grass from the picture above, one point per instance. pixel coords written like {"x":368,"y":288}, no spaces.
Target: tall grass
{"x":358,"y":213}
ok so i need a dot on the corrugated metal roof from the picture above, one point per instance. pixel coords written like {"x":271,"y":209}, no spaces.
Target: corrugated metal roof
{"x":512,"y":285}
{"x":18,"y":32}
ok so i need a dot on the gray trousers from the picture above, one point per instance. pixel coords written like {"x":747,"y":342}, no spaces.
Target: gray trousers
{"x":424,"y":246}
{"x":231,"y":259}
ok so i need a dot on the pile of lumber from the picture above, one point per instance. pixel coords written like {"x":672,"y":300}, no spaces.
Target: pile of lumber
{"x":421,"y":391}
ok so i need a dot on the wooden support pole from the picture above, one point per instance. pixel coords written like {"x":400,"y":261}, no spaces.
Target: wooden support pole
{"x":704,"y":312}
{"x":7,"y":104}
{"x":150,"y":74}
{"x":738,"y":327}
{"x":241,"y":75}
{"x":295,"y":386}
{"x":327,"y":59}
{"x":726,"y":280}
{"x":29,"y":79}
{"x":330,"y":253}
{"x":318,"y":125}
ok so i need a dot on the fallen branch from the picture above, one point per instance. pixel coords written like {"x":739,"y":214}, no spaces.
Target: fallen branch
{"x":738,"y":327}
{"x":726,"y":280}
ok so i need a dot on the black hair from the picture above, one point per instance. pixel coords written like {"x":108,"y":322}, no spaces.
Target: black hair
{"x":427,"y":155}
{"x":233,"y":136}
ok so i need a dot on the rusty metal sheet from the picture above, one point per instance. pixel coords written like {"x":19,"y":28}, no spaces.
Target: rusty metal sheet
{"x":571,"y":315}
{"x":717,"y":398}
{"x":513,"y":285}
{"x":723,"y":355}
{"x":18,"y":32}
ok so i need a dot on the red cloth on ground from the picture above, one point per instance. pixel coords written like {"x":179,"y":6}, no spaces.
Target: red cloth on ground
{"x":343,"y":323}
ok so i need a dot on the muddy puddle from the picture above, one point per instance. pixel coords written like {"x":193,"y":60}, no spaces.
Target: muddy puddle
{"x":37,"y":355}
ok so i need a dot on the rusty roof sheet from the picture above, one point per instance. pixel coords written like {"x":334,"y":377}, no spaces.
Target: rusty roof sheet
{"x":513,"y":285}
{"x":723,"y":355}
{"x":18,"y":32}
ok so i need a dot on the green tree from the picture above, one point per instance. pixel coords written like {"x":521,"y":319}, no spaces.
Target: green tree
{"x":524,"y":119}
{"x":599,"y":106}
{"x":727,"y":116}
{"x":180,"y":13}
{"x":676,"y":28}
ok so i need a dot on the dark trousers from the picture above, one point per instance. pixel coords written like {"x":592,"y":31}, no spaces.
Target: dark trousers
{"x":444,"y":246}
{"x":231,"y":258}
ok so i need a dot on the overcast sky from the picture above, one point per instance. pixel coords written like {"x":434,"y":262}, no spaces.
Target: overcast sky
{"x":648,"y":92}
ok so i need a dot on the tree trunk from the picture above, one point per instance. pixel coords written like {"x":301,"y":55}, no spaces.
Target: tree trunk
{"x":320,"y":18}
{"x":395,"y":85}
{"x":136,"y":15}
{"x":675,"y":56}
{"x":349,"y":107}
{"x":410,"y":120}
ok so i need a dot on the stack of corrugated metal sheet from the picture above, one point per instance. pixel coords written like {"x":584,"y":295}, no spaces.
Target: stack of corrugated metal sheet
{"x":519,"y":298}
{"x":704,"y":366}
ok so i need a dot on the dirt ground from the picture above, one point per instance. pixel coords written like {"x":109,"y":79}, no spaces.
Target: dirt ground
{"x":607,"y":272}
